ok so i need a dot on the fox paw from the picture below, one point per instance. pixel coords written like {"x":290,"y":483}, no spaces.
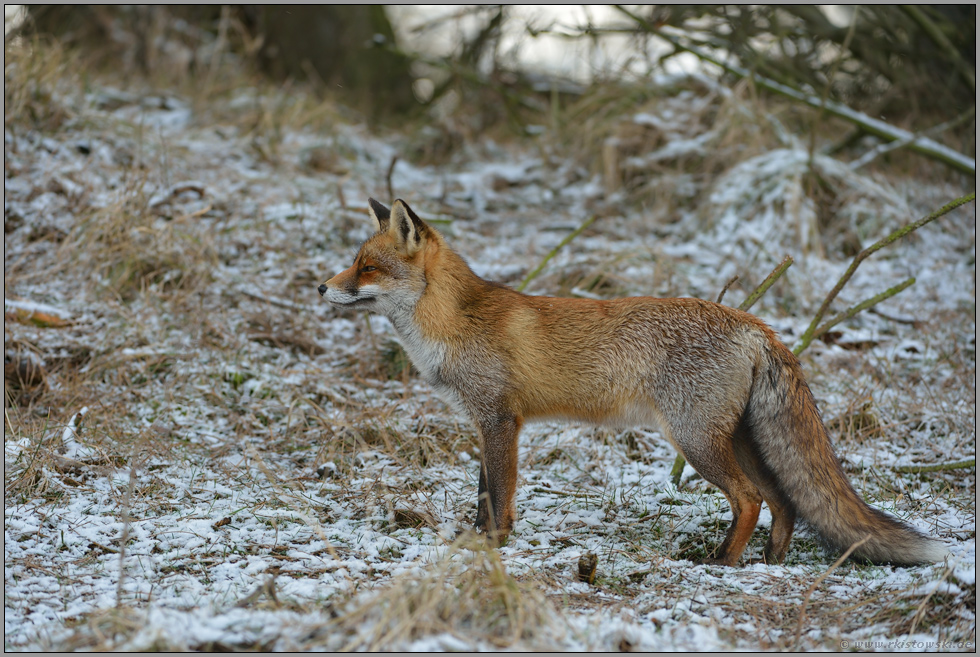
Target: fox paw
{"x":494,"y":537}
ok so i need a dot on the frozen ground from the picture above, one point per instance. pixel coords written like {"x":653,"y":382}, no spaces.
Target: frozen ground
{"x":217,"y":459}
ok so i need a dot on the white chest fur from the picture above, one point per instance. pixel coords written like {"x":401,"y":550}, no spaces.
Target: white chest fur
{"x":427,"y":355}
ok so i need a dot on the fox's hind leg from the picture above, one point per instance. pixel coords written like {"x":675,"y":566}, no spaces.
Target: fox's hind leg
{"x":714,"y":459}
{"x":783,"y":513}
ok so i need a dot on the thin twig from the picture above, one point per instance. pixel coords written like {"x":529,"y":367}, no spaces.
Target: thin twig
{"x":859,"y":258}
{"x":340,"y":195}
{"x":927,"y":600}
{"x":218,"y":49}
{"x":767,"y":283}
{"x":194,"y":215}
{"x":282,"y":303}
{"x":562,"y":493}
{"x":537,"y":270}
{"x":897,"y":320}
{"x":854,"y":310}
{"x":731,"y":281}
{"x":813,"y":587}
{"x":266,"y":588}
{"x":391,"y":171}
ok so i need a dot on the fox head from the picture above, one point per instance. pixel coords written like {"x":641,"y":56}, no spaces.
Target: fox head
{"x":388,"y":274}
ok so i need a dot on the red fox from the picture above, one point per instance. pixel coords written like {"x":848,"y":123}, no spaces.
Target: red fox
{"x":722,"y":388}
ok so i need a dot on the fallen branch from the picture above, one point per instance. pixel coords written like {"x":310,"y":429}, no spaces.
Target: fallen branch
{"x":937,"y":467}
{"x":887,"y":147}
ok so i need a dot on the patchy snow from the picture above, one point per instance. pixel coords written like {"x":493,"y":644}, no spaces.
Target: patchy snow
{"x":264,"y":460}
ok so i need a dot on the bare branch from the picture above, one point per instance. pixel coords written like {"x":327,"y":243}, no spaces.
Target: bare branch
{"x":537,"y":270}
{"x":937,"y":467}
{"x":766,"y":284}
{"x":808,"y":335}
{"x":923,"y":145}
{"x":851,"y":312}
{"x":731,"y":281}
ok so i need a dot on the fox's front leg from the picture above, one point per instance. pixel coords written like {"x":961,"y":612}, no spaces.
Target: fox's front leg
{"x":498,"y":475}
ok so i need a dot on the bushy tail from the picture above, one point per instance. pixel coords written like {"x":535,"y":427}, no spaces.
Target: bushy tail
{"x":791,"y":437}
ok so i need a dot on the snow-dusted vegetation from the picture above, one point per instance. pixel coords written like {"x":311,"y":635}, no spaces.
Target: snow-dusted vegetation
{"x":199,"y":453}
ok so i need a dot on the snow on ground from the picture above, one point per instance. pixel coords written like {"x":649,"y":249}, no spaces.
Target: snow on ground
{"x":277,"y":473}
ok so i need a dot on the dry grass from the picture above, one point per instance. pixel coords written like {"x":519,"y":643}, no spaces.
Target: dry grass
{"x":468,"y":595}
{"x":34,"y":76}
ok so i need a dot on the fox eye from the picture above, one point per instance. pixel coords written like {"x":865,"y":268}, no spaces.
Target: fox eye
{"x":368,"y":268}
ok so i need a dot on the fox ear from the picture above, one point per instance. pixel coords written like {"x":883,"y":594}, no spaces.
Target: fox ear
{"x":380,"y":215}
{"x":405,"y":227}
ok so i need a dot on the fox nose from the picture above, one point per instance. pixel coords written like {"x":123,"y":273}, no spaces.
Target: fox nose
{"x":322,"y":290}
